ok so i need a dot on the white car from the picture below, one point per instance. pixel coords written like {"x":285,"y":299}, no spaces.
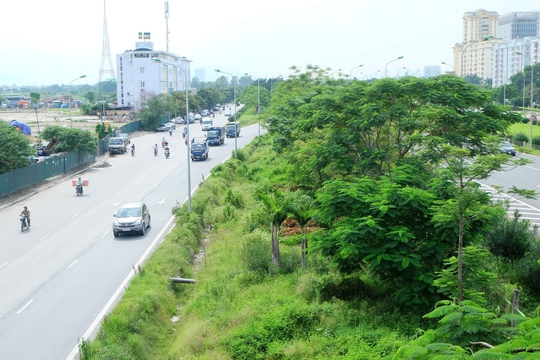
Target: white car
{"x":171,"y":126}
{"x":206,"y":123}
{"x":227,"y":112}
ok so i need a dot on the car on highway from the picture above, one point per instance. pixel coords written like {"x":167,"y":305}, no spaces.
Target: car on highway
{"x":227,"y":112}
{"x":171,"y":125}
{"x":507,"y":148}
{"x":131,"y":218}
{"x":162,"y":128}
{"x":178,"y":120}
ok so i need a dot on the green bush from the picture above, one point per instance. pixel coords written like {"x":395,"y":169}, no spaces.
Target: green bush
{"x":520,"y":137}
{"x":510,"y":239}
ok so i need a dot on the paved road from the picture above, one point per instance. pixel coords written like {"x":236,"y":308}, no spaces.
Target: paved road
{"x":61,"y":276}
{"x":525,"y":177}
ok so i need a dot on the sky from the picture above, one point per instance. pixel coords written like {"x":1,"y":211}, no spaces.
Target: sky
{"x":57,"y":41}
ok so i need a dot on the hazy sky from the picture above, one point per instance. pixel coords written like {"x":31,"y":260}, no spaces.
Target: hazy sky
{"x":56,"y":41}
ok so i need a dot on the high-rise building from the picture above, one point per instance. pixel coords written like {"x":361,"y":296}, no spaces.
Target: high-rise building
{"x":518,"y":25}
{"x":146,"y":72}
{"x":506,"y":61}
{"x":479,"y":24}
{"x":432,"y":70}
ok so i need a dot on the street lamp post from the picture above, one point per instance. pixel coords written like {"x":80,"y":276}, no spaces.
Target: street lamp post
{"x":532,"y":83}
{"x":258,"y":104}
{"x":234,"y":90}
{"x":442,"y":62}
{"x":356,"y":67}
{"x":69,"y":98}
{"x":188,"y":144}
{"x":485,"y":38}
{"x":386,"y":66}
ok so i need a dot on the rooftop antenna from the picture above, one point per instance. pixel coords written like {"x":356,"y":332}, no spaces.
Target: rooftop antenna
{"x":167,"y":25}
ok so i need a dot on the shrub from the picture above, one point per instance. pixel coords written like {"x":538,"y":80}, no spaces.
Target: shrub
{"x":521,"y":137}
{"x":510,"y":239}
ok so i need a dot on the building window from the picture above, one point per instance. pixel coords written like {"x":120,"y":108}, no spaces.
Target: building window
{"x":141,"y":70}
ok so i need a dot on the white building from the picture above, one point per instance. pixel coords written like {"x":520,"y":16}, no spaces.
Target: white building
{"x":432,"y":70}
{"x":475,"y":58}
{"x":145,"y":72}
{"x":519,"y":25}
{"x":506,"y":61}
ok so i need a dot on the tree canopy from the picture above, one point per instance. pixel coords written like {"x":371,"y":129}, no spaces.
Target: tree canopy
{"x":14,"y":148}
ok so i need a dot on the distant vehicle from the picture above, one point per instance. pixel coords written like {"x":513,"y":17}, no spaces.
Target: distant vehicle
{"x":126,"y":136}
{"x":171,"y":125}
{"x":507,"y":148}
{"x":162,"y":128}
{"x":227,"y":112}
{"x":64,"y":106}
{"x":199,"y":149}
{"x":117,"y":145}
{"x":207,"y":123}
{"x":178,"y":120}
{"x":197,"y":117}
{"x":215,"y":135}
{"x":131,"y":217}
{"x":232,"y":129}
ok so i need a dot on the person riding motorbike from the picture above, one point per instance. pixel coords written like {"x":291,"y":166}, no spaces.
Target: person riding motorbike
{"x":155,"y":150}
{"x":132,"y":149}
{"x":170,"y":132}
{"x":79,"y":186}
{"x":26,"y":214}
{"x":167,"y":152}
{"x":163,"y":142}
{"x":184,"y":132}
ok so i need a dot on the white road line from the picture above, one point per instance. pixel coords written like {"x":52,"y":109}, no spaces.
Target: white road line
{"x":105,"y":234}
{"x":74,"y":216}
{"x":156,"y":184}
{"x":43,"y":238}
{"x":118,"y":292}
{"x":162,"y":201}
{"x":532,"y":168}
{"x":73,"y":263}
{"x":4,"y":264}
{"x":24,"y":307}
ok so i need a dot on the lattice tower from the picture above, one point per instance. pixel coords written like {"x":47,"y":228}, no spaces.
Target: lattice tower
{"x":106,"y":70}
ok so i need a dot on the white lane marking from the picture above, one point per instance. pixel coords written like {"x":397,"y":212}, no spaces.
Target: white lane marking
{"x":116,"y":203}
{"x":74,"y":216}
{"x":46,"y":235}
{"x":24,"y":307}
{"x":118,"y":292}
{"x":162,"y":201}
{"x":73,"y":263}
{"x":4,"y":264}
{"x":532,"y":168}
{"x":105,"y":233}
{"x":156,"y":184}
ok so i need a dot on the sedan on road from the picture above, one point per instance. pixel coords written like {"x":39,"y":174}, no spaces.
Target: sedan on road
{"x":130,"y":218}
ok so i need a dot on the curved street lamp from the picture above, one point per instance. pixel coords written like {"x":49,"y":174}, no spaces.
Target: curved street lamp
{"x":532,"y":83}
{"x":442,"y":62}
{"x":485,"y":38}
{"x":258,"y":105}
{"x":234,"y":90}
{"x":356,"y":67}
{"x":69,"y":98}
{"x":386,"y":66}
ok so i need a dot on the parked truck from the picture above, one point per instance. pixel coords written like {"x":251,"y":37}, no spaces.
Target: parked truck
{"x":233,"y":129}
{"x":117,"y":145}
{"x":199,"y":148}
{"x":216,"y":135}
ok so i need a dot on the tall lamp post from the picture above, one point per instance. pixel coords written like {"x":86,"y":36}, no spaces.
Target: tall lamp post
{"x":186,"y":81}
{"x":258,"y":104}
{"x":69,"y":98}
{"x":386,"y":66}
{"x":447,"y":64}
{"x":234,"y":90}
{"x":532,"y":83}
{"x":356,"y":67}
{"x":485,"y":38}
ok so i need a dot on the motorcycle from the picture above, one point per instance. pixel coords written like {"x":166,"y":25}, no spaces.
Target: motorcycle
{"x":170,"y":132}
{"x":24,"y":224}
{"x":132,"y":151}
{"x":155,"y":151}
{"x":167,"y":154}
{"x":79,"y":190}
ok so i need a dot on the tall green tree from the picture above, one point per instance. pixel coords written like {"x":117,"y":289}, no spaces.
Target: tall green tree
{"x":14,"y":148}
{"x":277,"y":205}
{"x":70,"y":139}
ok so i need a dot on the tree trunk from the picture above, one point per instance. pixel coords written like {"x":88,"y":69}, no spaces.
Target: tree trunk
{"x":275,"y":246}
{"x":303,"y":252}
{"x":515,"y":306}
{"x":460,"y":258}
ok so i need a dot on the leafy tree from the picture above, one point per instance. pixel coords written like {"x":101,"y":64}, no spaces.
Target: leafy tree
{"x":70,"y":139}
{"x":90,"y":96}
{"x":301,"y":210}
{"x":14,"y":148}
{"x":209,"y":97}
{"x":277,"y":206}
{"x":153,"y":111}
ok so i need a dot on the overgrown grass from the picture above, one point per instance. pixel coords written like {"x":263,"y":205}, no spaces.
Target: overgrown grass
{"x":242,"y":307}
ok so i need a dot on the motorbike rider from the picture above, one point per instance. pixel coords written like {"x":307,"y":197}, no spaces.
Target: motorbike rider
{"x":184,"y":132}
{"x":79,"y":184}
{"x":155,"y":149}
{"x":170,"y":132}
{"x":167,"y":151}
{"x":26,"y":214}
{"x":163,"y":141}
{"x":132,"y":149}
